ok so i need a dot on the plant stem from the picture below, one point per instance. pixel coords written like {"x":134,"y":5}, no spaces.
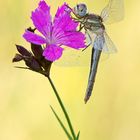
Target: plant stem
{"x":63,"y":109}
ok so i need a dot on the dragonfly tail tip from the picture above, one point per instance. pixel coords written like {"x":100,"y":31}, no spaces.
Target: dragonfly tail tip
{"x":86,"y":100}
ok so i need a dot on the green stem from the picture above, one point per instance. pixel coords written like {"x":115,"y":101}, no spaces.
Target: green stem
{"x":63,"y":109}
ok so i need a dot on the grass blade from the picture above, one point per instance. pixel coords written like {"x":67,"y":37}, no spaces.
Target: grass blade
{"x":62,"y":125}
{"x":78,"y":135}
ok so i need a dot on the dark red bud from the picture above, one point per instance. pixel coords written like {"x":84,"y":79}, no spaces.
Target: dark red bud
{"x":32,"y":64}
{"x":17,"y":58}
{"x":46,"y":65}
{"x":23,"y":51}
{"x":37,"y":51}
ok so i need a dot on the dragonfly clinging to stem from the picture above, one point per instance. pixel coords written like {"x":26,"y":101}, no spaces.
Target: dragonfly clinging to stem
{"x":94,"y":25}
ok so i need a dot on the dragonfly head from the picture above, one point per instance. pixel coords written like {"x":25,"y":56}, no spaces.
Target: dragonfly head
{"x":80,"y":10}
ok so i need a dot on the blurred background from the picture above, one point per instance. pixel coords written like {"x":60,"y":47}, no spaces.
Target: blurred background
{"x":113,"y":112}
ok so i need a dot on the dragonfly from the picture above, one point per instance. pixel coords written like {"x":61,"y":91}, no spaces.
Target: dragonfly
{"x":95,"y":31}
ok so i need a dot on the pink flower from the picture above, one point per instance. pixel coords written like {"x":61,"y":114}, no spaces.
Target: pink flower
{"x":62,"y":31}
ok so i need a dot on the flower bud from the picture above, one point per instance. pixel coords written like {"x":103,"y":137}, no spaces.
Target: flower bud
{"x":23,"y":51}
{"x":17,"y":58}
{"x":46,"y":65}
{"x":37,"y":51}
{"x":32,"y":63}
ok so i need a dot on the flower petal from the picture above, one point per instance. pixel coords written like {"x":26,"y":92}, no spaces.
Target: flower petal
{"x":52,"y":52}
{"x":42,"y":19}
{"x":43,"y":6}
{"x":63,"y":21}
{"x":34,"y":38}
{"x":62,"y":10}
{"x":73,"y":39}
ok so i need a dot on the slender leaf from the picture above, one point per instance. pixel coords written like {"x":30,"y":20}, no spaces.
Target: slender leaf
{"x":61,"y":123}
{"x":21,"y":67}
{"x":78,"y":135}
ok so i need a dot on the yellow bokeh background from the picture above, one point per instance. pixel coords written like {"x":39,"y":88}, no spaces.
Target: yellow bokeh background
{"x":113,"y":113}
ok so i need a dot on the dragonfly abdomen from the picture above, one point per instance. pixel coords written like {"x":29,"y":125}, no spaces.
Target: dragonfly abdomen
{"x":92,"y":75}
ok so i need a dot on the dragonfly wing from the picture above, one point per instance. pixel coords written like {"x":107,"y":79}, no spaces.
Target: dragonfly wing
{"x":104,"y":43}
{"x":74,"y":58}
{"x":113,"y":12}
{"x":108,"y":46}
{"x":89,"y":37}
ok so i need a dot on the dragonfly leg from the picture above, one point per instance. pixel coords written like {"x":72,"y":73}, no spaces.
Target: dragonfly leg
{"x":75,"y":19}
{"x":86,"y":47}
{"x":90,"y":39}
{"x":81,"y":27}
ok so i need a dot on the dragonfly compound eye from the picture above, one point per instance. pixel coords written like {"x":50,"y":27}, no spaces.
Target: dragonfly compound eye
{"x":80,"y":10}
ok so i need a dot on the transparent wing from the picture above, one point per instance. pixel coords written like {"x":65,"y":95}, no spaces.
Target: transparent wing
{"x":74,"y":58}
{"x":113,"y":12}
{"x":104,"y":43}
{"x":108,"y":46}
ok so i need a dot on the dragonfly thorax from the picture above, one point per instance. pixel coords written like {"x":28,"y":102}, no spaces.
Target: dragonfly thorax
{"x":94,"y":23}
